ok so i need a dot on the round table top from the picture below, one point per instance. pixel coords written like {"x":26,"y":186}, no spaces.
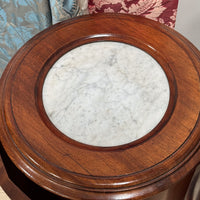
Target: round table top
{"x":106,"y":94}
{"x":73,"y":169}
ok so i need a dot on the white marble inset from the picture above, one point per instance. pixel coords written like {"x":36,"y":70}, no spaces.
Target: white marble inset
{"x":106,"y":94}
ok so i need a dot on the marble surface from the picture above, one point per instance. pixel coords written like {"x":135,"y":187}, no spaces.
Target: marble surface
{"x":106,"y":94}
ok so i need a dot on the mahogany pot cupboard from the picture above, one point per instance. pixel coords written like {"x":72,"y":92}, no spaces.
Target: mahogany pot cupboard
{"x":42,"y":161}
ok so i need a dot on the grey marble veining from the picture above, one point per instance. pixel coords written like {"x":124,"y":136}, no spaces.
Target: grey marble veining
{"x":106,"y":94}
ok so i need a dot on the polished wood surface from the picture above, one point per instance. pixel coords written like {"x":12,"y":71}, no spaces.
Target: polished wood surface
{"x":8,"y":186}
{"x":17,"y":186}
{"x":138,"y":170}
{"x":34,"y":192}
{"x":193,"y":191}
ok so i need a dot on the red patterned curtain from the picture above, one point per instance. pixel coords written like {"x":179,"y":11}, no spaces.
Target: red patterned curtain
{"x":163,"y":11}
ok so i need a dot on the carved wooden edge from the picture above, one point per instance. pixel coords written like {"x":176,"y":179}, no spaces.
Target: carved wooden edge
{"x":13,"y":185}
{"x":9,"y":187}
{"x":15,"y":190}
{"x":176,"y":174}
{"x":115,"y":38}
{"x":193,"y":192}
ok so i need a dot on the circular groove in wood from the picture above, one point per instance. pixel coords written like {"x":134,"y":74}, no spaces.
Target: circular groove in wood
{"x":73,"y":170}
{"x":105,"y":94}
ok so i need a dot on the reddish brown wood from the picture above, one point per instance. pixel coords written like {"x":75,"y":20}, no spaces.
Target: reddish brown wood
{"x":193,"y":191}
{"x":17,"y":186}
{"x":31,"y":191}
{"x":72,"y":170}
{"x":8,"y":186}
{"x":175,"y":191}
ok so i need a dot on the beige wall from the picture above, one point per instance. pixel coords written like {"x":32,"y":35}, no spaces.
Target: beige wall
{"x":188,"y":20}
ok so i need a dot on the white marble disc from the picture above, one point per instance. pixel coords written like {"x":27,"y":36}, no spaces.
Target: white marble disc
{"x":106,"y":94}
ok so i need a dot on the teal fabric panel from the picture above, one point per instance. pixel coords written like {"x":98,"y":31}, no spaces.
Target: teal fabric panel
{"x":57,"y":11}
{"x":64,"y":9}
{"x":20,"y":20}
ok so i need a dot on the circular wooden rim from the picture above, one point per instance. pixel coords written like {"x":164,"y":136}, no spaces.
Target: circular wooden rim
{"x":74,"y":170}
{"x":116,"y":38}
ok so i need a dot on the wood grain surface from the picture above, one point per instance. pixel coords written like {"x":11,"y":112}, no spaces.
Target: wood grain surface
{"x":8,"y":189}
{"x":162,"y":159}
